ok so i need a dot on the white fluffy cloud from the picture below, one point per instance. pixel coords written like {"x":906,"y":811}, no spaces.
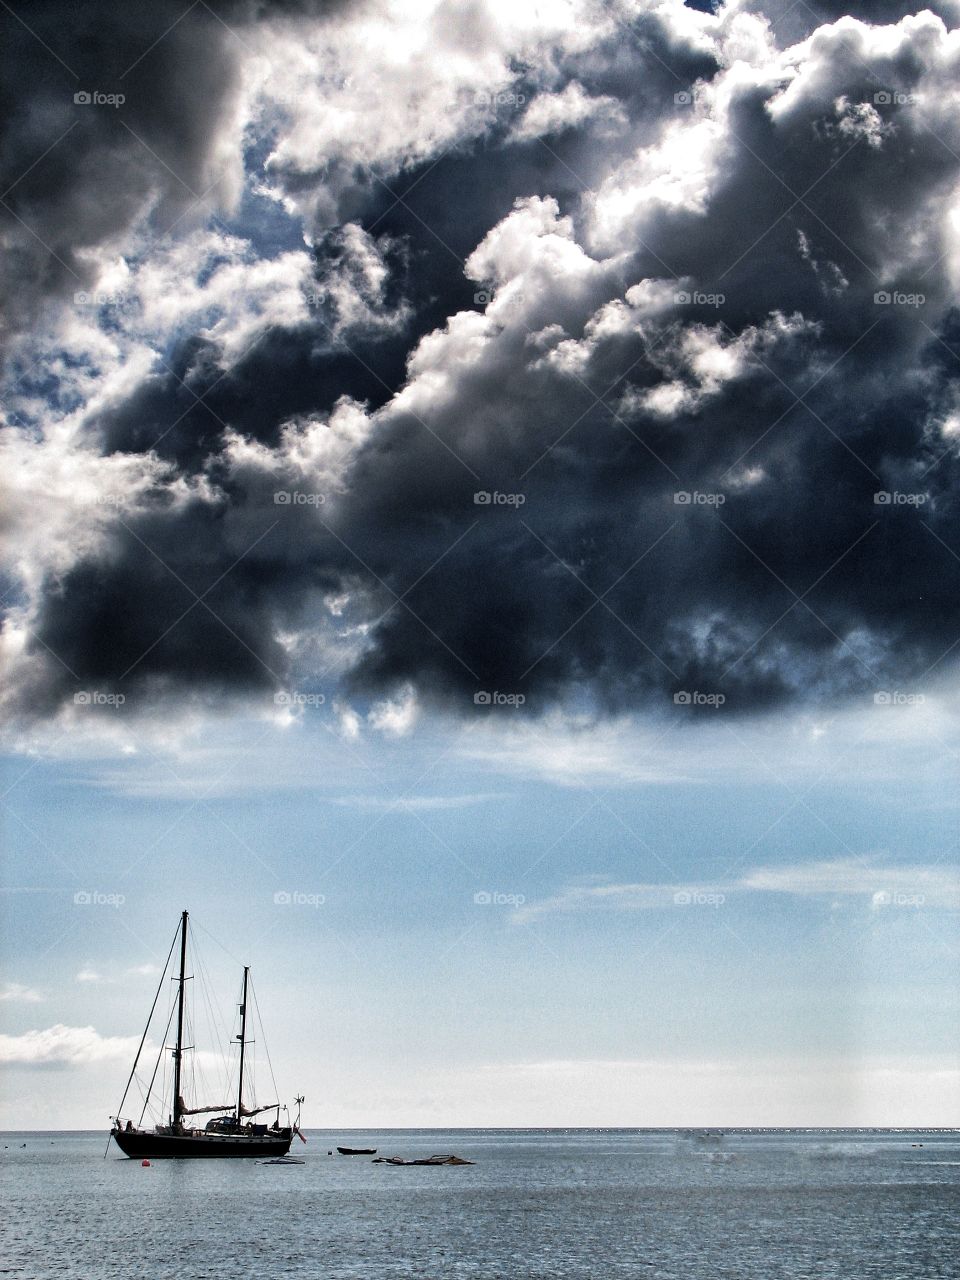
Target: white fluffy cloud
{"x":551,"y":113}
{"x":17,"y":993}
{"x":62,"y":1045}
{"x":395,"y":717}
{"x":389,"y":85}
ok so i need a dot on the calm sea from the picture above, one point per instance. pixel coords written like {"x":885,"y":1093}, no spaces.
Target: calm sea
{"x":590,"y":1204}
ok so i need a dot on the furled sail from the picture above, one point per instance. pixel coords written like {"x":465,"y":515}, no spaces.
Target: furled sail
{"x":199,"y":1111}
{"x":226,"y":1106}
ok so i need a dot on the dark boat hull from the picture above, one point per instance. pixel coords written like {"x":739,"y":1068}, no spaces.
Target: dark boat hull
{"x":201,"y":1146}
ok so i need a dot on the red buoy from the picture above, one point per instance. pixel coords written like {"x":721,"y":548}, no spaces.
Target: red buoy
{"x":145,"y":1164}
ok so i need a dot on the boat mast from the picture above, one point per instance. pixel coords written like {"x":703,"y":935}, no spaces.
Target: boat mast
{"x":242,"y":1037}
{"x":178,"y":1051}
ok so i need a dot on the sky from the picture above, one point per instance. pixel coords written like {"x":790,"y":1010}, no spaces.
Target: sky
{"x":480,"y":531}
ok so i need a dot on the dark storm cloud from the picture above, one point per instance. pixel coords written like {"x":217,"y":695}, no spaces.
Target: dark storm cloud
{"x":77,"y":173}
{"x":220,"y":634}
{"x":95,"y":175}
{"x":698,"y":478}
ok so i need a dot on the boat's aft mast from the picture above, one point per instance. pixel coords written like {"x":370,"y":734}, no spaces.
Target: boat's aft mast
{"x":178,"y":1051}
{"x":242,"y":1037}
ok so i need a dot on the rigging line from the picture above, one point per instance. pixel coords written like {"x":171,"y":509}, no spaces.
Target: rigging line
{"x":158,"y":1115}
{"x":163,"y":1045}
{"x":219,"y":944}
{"x":215,"y":1016}
{"x":220,"y":1021}
{"x":188,"y":1081}
{"x":147,"y":1027}
{"x":208,"y":1013}
{"x":139,"y":1083}
{"x":161,"y":1055}
{"x":169,"y":1066}
{"x":190,"y":1032}
{"x":198,"y":1025}
{"x":266,"y":1047}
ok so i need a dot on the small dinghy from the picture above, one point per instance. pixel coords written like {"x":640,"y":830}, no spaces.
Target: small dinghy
{"x":357,"y":1151}
{"x":283,"y":1160}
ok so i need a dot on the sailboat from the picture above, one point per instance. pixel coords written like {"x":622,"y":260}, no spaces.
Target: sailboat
{"x":231,"y":1132}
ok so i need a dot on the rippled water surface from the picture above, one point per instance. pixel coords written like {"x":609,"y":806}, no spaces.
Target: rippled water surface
{"x":668,"y":1205}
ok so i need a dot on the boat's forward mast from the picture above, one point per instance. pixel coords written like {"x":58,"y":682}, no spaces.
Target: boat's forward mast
{"x":178,"y":1051}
